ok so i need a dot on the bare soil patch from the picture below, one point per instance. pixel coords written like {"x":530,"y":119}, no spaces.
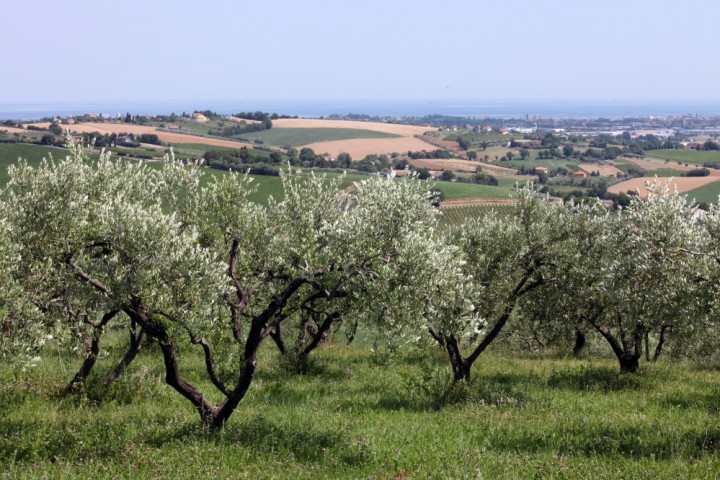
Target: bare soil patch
{"x":605,"y":170}
{"x":682,"y":184}
{"x":439,"y":143}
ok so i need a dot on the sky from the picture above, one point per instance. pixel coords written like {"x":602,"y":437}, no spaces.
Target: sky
{"x":90,"y":50}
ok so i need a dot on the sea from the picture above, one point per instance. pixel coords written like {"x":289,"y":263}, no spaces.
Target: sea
{"x":314,"y":108}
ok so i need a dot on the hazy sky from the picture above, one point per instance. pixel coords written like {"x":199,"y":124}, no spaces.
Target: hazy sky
{"x":276,"y":49}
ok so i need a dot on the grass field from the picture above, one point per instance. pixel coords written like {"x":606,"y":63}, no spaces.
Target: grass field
{"x":707,"y":193}
{"x":266,"y":185}
{"x":296,"y":137}
{"x":548,"y":163}
{"x":196,"y":149}
{"x":458,"y":214}
{"x":689,"y":156}
{"x":360,"y":415}
{"x":10,"y":152}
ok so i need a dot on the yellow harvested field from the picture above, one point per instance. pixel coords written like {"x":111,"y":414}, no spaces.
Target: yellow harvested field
{"x":13,"y":129}
{"x":397,"y":129}
{"x":107,"y":127}
{"x":358,"y":148}
{"x":682,"y":184}
{"x":605,"y":170}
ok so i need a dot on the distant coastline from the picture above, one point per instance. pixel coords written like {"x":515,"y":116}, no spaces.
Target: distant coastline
{"x":517,"y":108}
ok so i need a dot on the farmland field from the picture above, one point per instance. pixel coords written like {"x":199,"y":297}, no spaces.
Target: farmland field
{"x":548,"y":163}
{"x":296,"y":137}
{"x":689,"y":156}
{"x":394,"y":128}
{"x":604,"y":169}
{"x":707,"y":193}
{"x":171,"y":137}
{"x":356,"y":414}
{"x":683,"y":184}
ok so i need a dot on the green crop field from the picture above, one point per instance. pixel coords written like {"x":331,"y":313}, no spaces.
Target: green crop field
{"x":689,"y":156}
{"x":707,"y":193}
{"x":458,"y":214}
{"x":462,"y":190}
{"x":356,"y":414}
{"x":196,"y":149}
{"x":296,"y":137}
{"x":553,"y":163}
{"x":10,"y":152}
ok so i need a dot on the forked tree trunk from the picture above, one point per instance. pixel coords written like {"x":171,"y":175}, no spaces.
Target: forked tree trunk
{"x":661,"y":342}
{"x":83,"y":373}
{"x":628,"y":355}
{"x":132,"y":352}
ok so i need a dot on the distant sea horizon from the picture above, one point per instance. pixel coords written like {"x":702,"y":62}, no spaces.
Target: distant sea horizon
{"x":480,"y":108}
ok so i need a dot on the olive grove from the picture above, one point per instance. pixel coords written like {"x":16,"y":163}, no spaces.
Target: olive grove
{"x":198,"y":267}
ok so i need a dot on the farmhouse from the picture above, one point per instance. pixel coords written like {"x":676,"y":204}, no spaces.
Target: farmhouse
{"x":541,"y":169}
{"x":579,"y":174}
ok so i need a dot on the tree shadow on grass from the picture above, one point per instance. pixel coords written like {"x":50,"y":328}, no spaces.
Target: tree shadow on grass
{"x":597,"y":378}
{"x":632,"y":441}
{"x":304,"y":442}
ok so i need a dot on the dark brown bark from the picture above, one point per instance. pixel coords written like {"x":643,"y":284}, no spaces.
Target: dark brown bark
{"x":319,"y":335}
{"x":132,"y":352}
{"x":647,"y":346}
{"x":276,"y":335}
{"x":83,"y":373}
{"x":661,"y":342}
{"x":580,"y":342}
{"x":460,"y":367}
{"x":628,"y":356}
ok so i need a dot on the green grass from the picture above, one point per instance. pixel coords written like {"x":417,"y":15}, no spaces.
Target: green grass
{"x":687,"y":156}
{"x":196,"y":149}
{"x":296,"y":137}
{"x":457,"y":215}
{"x":548,"y":163}
{"x":10,"y":152}
{"x":707,"y":193}
{"x":360,"y":415}
{"x":462,"y":190}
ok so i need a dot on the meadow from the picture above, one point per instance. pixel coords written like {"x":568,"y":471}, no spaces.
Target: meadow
{"x":296,"y":137}
{"x":355,"y":413}
{"x":689,"y":156}
{"x":707,"y":193}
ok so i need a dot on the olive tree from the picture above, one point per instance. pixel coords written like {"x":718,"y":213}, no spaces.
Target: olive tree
{"x":502,"y":259}
{"x":203,"y":265}
{"x":633,"y":275}
{"x":50,"y":213}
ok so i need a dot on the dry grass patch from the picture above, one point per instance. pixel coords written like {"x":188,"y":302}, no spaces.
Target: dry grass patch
{"x":605,"y":170}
